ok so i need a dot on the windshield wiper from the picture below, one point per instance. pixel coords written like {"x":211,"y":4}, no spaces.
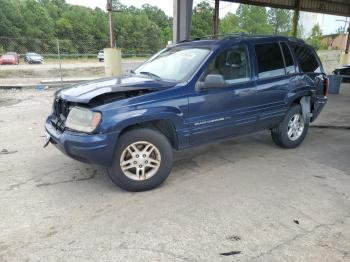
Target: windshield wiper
{"x":150,"y":74}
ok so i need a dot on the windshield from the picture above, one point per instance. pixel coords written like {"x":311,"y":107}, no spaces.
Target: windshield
{"x":174,"y":64}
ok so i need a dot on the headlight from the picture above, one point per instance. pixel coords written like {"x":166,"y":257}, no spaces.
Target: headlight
{"x":83,"y":119}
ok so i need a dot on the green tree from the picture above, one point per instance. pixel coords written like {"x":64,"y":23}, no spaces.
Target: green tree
{"x":229,"y":24}
{"x":315,"y":38}
{"x":136,"y":33}
{"x":38,"y":23}
{"x":300,"y":31}
{"x":202,"y":20}
{"x":253,"y":19}
{"x":11,"y":20}
{"x":156,"y":15}
{"x":34,"y":25}
{"x":159,"y":18}
{"x":280,"y":21}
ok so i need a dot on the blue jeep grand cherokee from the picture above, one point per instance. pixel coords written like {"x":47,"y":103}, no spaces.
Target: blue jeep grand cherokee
{"x":189,"y":94}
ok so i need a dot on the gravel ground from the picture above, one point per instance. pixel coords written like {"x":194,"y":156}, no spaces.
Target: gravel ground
{"x":25,"y":74}
{"x":243,"y":199}
{"x":68,"y":65}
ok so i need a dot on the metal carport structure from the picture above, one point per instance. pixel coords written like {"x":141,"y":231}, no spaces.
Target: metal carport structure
{"x":183,"y":12}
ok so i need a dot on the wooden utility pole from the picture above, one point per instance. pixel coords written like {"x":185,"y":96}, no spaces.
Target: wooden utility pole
{"x":347,"y":42}
{"x":296,"y":15}
{"x":110,"y":22}
{"x":216,"y":19}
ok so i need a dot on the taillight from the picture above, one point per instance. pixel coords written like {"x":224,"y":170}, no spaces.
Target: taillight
{"x":325,"y":86}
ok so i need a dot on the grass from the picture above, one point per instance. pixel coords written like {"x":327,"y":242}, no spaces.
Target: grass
{"x":70,"y":60}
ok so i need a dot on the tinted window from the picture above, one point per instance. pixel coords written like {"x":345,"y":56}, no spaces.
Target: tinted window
{"x":232,"y":64}
{"x":306,"y":59}
{"x":270,"y":60}
{"x":290,"y":68}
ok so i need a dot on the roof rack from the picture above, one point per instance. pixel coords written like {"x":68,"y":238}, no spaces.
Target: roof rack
{"x":212,"y":37}
{"x":221,"y":36}
{"x":234,"y":35}
{"x":293,"y":38}
{"x":290,"y":38}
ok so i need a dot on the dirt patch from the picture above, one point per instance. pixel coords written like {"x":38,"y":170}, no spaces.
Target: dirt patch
{"x":52,"y":72}
{"x":8,"y":101}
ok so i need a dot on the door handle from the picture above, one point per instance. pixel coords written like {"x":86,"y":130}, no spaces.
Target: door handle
{"x":246,"y":92}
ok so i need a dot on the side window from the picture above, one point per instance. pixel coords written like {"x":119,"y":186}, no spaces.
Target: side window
{"x":306,"y":59}
{"x":232,"y":64}
{"x":288,"y":59}
{"x":270,"y":60}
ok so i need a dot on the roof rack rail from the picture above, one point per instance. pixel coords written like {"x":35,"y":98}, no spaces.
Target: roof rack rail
{"x":184,"y":41}
{"x":220,"y":36}
{"x":234,"y":35}
{"x":209,"y":37}
{"x":293,"y":38}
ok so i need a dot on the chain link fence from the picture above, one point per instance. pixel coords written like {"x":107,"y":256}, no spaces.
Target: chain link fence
{"x":63,"y":60}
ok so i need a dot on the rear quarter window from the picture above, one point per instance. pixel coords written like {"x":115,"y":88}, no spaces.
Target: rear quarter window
{"x":307,"y":59}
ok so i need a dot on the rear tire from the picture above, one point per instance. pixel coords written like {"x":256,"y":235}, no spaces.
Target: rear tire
{"x":291,"y":132}
{"x":142,"y":161}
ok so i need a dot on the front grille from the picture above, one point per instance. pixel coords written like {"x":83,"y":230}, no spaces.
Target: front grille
{"x":61,"y":108}
{"x":60,"y":113}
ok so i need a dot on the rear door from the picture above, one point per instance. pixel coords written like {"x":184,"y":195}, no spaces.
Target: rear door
{"x":272,"y":82}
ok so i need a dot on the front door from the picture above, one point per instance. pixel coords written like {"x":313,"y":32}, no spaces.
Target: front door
{"x":228,"y":110}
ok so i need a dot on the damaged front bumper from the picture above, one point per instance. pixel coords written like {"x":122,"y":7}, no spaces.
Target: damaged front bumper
{"x":88,"y":148}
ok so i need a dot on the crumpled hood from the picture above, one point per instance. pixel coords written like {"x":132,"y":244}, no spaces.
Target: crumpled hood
{"x":84,"y":92}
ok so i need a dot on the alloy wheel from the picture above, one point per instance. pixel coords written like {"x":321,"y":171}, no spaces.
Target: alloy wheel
{"x":295,"y":127}
{"x":140,"y":160}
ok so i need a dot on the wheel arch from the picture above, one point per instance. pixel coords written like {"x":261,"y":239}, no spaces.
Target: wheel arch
{"x":295,"y":97}
{"x":166,"y":119}
{"x":164,"y":126}
{"x":304,"y":100}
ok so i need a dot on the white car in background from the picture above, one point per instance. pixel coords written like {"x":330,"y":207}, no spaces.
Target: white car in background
{"x":33,"y":58}
{"x":101,"y":56}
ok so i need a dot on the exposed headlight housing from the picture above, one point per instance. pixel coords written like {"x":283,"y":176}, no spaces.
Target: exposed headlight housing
{"x":83,"y":119}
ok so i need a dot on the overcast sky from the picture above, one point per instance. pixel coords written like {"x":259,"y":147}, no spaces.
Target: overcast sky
{"x":327,"y":22}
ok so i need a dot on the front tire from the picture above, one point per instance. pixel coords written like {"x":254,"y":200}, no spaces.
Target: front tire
{"x":142,"y":161}
{"x":291,"y":132}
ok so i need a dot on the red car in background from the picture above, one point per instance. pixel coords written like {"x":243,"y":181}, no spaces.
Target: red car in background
{"x":9,"y":58}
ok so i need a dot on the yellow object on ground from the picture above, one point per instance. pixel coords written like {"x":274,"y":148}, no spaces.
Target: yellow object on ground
{"x":344,"y":59}
{"x":112,"y":60}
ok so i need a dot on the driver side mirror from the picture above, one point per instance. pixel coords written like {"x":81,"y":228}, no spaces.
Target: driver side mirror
{"x":212,"y":81}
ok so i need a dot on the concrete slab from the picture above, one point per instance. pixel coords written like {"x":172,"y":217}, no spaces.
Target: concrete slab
{"x":243,"y":197}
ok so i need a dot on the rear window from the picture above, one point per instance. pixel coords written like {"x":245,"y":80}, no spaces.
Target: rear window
{"x":270,"y":60}
{"x":306,"y":59}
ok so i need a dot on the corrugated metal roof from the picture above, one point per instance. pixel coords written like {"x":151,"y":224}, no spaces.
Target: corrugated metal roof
{"x":332,"y":7}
